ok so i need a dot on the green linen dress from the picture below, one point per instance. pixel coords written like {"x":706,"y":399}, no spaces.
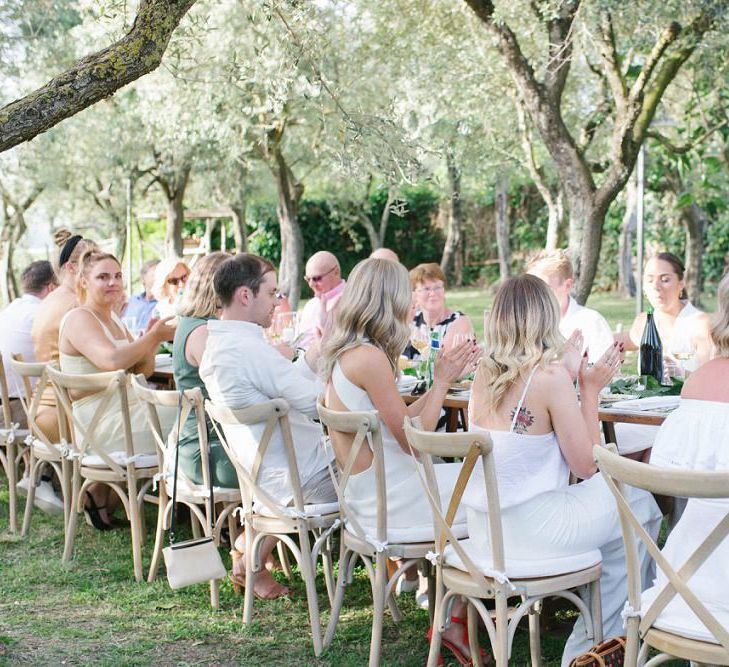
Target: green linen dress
{"x":188,"y":377}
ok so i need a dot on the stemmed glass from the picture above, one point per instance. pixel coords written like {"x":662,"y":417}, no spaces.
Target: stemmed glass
{"x":285,"y":328}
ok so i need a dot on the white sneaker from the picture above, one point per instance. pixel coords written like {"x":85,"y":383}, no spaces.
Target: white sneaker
{"x":46,"y":499}
{"x":421,"y":595}
{"x":22,"y":486}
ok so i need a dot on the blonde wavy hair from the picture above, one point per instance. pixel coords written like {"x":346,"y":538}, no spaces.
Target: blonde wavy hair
{"x":86,"y":261}
{"x":522,"y":332}
{"x":161,"y":272}
{"x":373,"y":308}
{"x":200,"y":299}
{"x":720,"y":324}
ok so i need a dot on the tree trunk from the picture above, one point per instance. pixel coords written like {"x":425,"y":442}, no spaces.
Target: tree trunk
{"x":694,"y":220}
{"x":626,"y":276}
{"x":173,"y":187}
{"x":290,"y":192}
{"x":502,"y":228}
{"x":555,"y":222}
{"x":239,"y":227}
{"x":635,"y":103}
{"x":385,"y":217}
{"x":96,"y":76}
{"x":451,"y":262}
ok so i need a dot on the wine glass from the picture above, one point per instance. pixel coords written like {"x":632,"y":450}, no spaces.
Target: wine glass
{"x":287,"y":327}
{"x":685,"y":355}
{"x":419,"y":339}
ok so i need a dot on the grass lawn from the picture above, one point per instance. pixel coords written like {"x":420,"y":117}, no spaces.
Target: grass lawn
{"x":92,"y":611}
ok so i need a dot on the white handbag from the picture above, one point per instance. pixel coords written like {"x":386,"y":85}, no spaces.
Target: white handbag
{"x":192,"y":561}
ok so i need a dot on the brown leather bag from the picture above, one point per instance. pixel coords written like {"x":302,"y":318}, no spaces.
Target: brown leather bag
{"x":610,"y":653}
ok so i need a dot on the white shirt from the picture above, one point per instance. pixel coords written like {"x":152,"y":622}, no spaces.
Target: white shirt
{"x":239,"y":370}
{"x":16,"y":321}
{"x":595,"y":329}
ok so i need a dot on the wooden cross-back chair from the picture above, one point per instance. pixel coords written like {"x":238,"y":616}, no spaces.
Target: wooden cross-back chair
{"x":129,"y":475}
{"x":461,"y":571}
{"x":42,"y":450}
{"x":12,"y":447}
{"x":372,"y":550}
{"x":641,"y":623}
{"x":195,"y":496}
{"x":264,"y":515}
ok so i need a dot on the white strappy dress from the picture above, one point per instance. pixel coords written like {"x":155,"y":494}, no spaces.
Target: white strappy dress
{"x":551,"y":527}
{"x":110,"y":429}
{"x":409,"y":517}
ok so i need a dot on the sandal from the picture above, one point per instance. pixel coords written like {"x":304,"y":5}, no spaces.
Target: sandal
{"x":239,"y":581}
{"x":92,"y":514}
{"x":486,"y":658}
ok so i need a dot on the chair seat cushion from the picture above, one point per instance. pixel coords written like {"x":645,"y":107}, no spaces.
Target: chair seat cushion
{"x":412,"y":535}
{"x":522,"y":568}
{"x":20,"y":435}
{"x":320,"y":509}
{"x":140,"y":460}
{"x":42,"y":450}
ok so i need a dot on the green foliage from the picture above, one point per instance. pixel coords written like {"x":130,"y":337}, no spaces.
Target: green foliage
{"x":332,"y":225}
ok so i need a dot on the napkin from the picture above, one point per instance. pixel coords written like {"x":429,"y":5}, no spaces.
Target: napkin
{"x":648,"y":404}
{"x":161,"y":360}
{"x":406,"y":383}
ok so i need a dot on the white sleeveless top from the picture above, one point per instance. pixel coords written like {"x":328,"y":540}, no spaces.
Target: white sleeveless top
{"x":526,"y":465}
{"x":684,"y":330}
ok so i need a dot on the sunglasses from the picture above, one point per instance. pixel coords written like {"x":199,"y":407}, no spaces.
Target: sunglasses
{"x":176,"y":281}
{"x":318,"y":279}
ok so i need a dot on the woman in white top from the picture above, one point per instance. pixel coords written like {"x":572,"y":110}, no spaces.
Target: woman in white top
{"x":360,"y":369}
{"x":526,"y":400}
{"x":92,"y":339}
{"x":683,"y":328}
{"x":696,"y":437}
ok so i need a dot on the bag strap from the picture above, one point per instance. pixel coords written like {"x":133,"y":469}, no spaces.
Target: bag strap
{"x":211,"y":499}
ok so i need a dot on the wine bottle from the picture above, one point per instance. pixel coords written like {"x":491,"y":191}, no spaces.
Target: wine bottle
{"x":434,"y":348}
{"x":650,"y":357}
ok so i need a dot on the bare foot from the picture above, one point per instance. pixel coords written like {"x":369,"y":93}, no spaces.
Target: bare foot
{"x":267,"y":588}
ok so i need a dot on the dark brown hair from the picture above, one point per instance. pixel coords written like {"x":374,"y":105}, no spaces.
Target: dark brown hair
{"x":241,"y":270}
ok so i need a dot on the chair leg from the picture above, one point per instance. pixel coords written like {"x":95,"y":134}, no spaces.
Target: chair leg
{"x":159,"y":533}
{"x":596,"y":611}
{"x":250,"y":575}
{"x":535,"y":640}
{"x":34,"y":466}
{"x":437,"y":621}
{"x":66,"y":491}
{"x":12,"y":471}
{"x":73,"y":516}
{"x":308,"y":574}
{"x":215,"y":594}
{"x":501,"y":650}
{"x":135,"y":521}
{"x":344,"y":559}
{"x":473,"y":646}
{"x":328,"y":565}
{"x":378,"y":608}
{"x":283,"y":557}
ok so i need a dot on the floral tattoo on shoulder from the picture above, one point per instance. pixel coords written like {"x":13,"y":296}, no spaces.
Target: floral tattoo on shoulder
{"x":523,"y":421}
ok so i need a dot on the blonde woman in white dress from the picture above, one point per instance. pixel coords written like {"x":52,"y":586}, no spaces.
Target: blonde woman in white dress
{"x":696,"y":437}
{"x":92,"y":339}
{"x":524,"y":397}
{"x":360,"y":368}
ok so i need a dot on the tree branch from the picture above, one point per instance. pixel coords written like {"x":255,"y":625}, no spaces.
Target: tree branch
{"x":668,"y":36}
{"x":609,"y":57}
{"x":95,"y":76}
{"x":681,"y":149}
{"x":559,"y":30}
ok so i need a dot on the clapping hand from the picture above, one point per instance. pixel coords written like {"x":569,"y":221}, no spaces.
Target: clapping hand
{"x":163,"y":329}
{"x":595,"y":377}
{"x":572,"y":358}
{"x":456,"y":362}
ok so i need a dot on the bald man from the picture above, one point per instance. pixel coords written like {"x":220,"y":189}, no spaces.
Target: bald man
{"x":385,"y":253}
{"x":324,"y":277}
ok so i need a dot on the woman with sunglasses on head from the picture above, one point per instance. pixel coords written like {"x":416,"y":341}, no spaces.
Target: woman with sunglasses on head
{"x":170,"y":279}
{"x":92,"y":339}
{"x":428,"y":283}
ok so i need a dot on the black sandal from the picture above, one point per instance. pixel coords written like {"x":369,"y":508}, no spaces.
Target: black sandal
{"x":91,"y":512}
